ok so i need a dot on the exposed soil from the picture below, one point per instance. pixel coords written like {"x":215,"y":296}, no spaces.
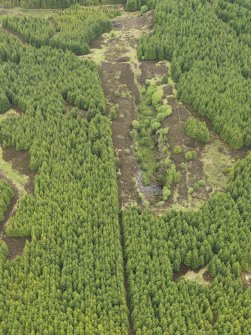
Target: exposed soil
{"x":20,"y":162}
{"x":207,"y":277}
{"x":117,"y":73}
{"x":151,"y":69}
{"x":183,"y":270}
{"x":200,"y":275}
{"x":246,"y":278}
{"x":122,"y":75}
{"x":15,"y":244}
{"x":177,"y":137}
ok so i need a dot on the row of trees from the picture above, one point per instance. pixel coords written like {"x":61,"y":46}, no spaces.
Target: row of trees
{"x":210,"y":61}
{"x":218,"y":235}
{"x":6,"y":193}
{"x":72,"y":29}
{"x":69,"y":279}
{"x":133,"y":5}
{"x":56,"y":3}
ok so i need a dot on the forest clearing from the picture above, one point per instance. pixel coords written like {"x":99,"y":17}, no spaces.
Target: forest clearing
{"x":125,"y":167}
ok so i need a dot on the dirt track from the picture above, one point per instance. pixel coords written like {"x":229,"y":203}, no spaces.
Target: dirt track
{"x":20,"y":163}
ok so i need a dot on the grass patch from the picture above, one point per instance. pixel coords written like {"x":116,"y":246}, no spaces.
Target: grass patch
{"x":217,"y":164}
{"x":8,"y":113}
{"x":18,"y":179}
{"x":197,"y":276}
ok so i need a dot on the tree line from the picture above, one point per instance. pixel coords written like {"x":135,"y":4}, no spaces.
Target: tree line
{"x":210,"y":61}
{"x":217,"y":236}
{"x":72,"y":29}
{"x":56,"y":3}
{"x":70,"y":276}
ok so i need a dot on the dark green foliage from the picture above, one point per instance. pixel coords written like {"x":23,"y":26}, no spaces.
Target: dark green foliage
{"x":70,"y":276}
{"x":143,"y":5}
{"x":6,"y":193}
{"x":210,"y":61}
{"x":219,"y":236}
{"x":132,"y":5}
{"x":56,"y":3}
{"x":72,"y":29}
{"x":197,"y":130}
{"x":4,"y":102}
{"x":240,"y":188}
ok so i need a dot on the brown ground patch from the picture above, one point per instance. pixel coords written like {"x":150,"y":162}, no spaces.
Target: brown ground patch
{"x":20,"y":162}
{"x":15,"y":244}
{"x":97,"y":43}
{"x":134,"y":21}
{"x":177,"y":137}
{"x":200,"y":275}
{"x":151,"y":69}
{"x":118,"y":81}
{"x":182,"y":271}
{"x":246,"y":278}
{"x":124,"y":149}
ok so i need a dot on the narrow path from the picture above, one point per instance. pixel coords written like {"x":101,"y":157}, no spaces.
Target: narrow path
{"x":14,"y":169}
{"x":15,"y":244}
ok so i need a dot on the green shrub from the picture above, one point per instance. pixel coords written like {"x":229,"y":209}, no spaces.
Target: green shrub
{"x":156,"y":98}
{"x":163,"y":131}
{"x":136,"y":124}
{"x":166,"y":193}
{"x":145,"y":180}
{"x":113,"y":113}
{"x":165,"y":109}
{"x":143,"y":9}
{"x":177,"y":150}
{"x":189,"y":155}
{"x":155,"y":126}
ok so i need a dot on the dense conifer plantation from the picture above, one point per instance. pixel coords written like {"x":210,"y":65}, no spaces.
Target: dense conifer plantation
{"x":217,"y":236}
{"x":210,"y":60}
{"x":56,"y":3}
{"x":70,"y":277}
{"x":73,"y":29}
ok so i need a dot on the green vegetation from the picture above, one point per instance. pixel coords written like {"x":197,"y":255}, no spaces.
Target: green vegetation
{"x":151,"y":143}
{"x":6,"y":193}
{"x":56,"y":3}
{"x":177,"y":150}
{"x":217,"y":235}
{"x":217,"y":165}
{"x":73,"y":266}
{"x":189,"y":155}
{"x":142,"y":5}
{"x":16,"y":178}
{"x":210,"y":60}
{"x":197,"y":130}
{"x":82,"y":260}
{"x":72,"y":29}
